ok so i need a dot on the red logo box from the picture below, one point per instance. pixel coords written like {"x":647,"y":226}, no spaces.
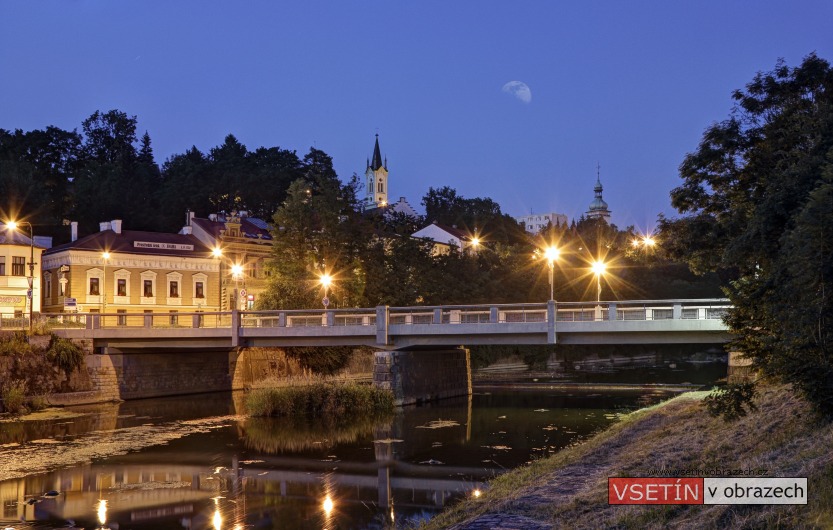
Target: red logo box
{"x":652,"y":490}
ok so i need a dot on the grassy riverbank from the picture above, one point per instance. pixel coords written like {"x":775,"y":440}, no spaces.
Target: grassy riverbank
{"x":569,"y":489}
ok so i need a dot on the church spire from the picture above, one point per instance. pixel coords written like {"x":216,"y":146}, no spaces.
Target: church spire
{"x":377,"y":156}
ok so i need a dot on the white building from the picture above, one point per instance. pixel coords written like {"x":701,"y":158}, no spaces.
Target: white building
{"x":445,"y":237}
{"x":534,"y":223}
{"x":376,"y":177}
{"x":16,"y":252}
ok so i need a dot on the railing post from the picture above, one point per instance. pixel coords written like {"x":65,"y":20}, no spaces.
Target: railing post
{"x":195,"y":321}
{"x":551,"y":317}
{"x":96,"y":321}
{"x":331,"y":318}
{"x":677,"y":312}
{"x":382,"y":320}
{"x":611,"y":316}
{"x":148,"y":323}
{"x":282,"y":319}
{"x":438,"y":316}
{"x":235,"y":328}
{"x":494,"y":317}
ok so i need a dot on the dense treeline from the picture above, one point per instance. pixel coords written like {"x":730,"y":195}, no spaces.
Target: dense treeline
{"x":106,"y":171}
{"x":758,"y":194}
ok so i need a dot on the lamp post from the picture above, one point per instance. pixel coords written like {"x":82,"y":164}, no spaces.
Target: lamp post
{"x":551,"y":253}
{"x":106,"y":257}
{"x":598,"y":268}
{"x":326,"y":280}
{"x":236,"y":274}
{"x":31,"y":278}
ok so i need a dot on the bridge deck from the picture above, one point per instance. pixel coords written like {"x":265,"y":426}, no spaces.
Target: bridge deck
{"x":635,"y":322}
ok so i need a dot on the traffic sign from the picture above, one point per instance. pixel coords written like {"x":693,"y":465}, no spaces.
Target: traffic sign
{"x":242,"y":292}
{"x":325,"y":301}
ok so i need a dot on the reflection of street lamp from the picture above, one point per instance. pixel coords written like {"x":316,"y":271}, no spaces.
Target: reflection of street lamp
{"x":598,"y":267}
{"x":31,"y":279}
{"x":551,"y":253}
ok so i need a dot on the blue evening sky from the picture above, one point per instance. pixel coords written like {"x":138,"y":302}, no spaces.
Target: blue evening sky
{"x":630,"y":85}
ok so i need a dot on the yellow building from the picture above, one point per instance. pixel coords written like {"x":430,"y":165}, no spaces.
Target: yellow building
{"x":243,"y":244}
{"x":16,"y":251}
{"x":118,"y":271}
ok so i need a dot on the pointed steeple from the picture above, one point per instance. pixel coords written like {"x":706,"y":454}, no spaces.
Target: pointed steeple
{"x":376,"y":163}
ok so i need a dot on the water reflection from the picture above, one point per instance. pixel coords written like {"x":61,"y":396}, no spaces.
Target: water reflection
{"x":381,"y":472}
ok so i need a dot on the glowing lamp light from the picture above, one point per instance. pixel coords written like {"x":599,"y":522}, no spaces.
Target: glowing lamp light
{"x":326,"y":280}
{"x":476,"y":493}
{"x":328,"y":505}
{"x":649,"y":241}
{"x":217,"y":252}
{"x":11,"y":225}
{"x":217,"y":520}
{"x":598,"y":267}
{"x":237,"y":270}
{"x":475,"y":241}
{"x":551,"y":253}
{"x":105,"y":255}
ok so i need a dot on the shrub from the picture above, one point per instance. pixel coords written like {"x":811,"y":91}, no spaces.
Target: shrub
{"x":732,"y":401}
{"x":38,"y":402}
{"x":319,"y":398}
{"x":65,"y":354}
{"x":14,"y":396}
{"x":15,"y":344}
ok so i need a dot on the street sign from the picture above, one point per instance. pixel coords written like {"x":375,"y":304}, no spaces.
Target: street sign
{"x":325,"y":301}
{"x":242,"y":292}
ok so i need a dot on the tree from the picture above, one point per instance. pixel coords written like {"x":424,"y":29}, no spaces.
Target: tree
{"x":758,"y":202}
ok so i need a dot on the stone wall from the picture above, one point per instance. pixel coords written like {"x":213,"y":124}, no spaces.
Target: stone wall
{"x":422,"y":375}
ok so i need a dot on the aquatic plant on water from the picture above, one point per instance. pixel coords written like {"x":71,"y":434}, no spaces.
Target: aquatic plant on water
{"x":318,"y":397}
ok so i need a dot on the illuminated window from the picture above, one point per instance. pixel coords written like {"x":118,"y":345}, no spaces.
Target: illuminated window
{"x":18,"y":266}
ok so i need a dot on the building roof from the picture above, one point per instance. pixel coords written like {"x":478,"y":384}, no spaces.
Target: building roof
{"x":450,"y":230}
{"x":138,"y":242}
{"x":250,"y":227}
{"x":15,"y":237}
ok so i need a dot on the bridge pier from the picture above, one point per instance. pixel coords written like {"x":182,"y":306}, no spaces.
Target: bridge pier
{"x":417,"y":376}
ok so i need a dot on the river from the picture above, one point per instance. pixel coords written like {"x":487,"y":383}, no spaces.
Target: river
{"x":198,"y":462}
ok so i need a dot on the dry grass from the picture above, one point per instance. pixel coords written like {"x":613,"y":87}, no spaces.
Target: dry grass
{"x":569,"y":490}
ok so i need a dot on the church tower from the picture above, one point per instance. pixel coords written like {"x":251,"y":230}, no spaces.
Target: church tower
{"x":598,"y":208}
{"x":376,"y":178}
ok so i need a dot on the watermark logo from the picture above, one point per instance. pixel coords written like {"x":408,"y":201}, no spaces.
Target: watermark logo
{"x":692,"y":490}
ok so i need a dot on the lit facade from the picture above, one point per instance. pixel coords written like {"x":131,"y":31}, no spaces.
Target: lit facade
{"x":445,"y":237}
{"x":243,"y":242}
{"x":15,"y":251}
{"x":534,"y":223}
{"x":116,"y":271}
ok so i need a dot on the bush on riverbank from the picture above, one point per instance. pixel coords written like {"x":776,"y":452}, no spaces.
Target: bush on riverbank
{"x":569,"y":490}
{"x":13,"y":394}
{"x":317,"y":396}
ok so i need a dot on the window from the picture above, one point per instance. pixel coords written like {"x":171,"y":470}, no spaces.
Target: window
{"x":94,"y":287}
{"x":47,"y":285}
{"x":199,"y":290}
{"x":148,"y":288}
{"x":174,"y":289}
{"x":381,"y":186}
{"x":121,"y":287}
{"x":2,"y":265}
{"x":18,"y":266}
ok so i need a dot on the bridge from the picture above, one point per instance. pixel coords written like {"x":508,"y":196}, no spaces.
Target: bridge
{"x":610,"y":322}
{"x":420,"y":353}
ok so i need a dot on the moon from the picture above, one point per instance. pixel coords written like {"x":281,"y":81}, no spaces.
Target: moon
{"x":519,"y":89}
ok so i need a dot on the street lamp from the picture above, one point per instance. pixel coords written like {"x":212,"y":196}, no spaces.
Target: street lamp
{"x":106,"y":257}
{"x":326,"y":280}
{"x":598,"y":267}
{"x":551,"y":253}
{"x":236,"y":274}
{"x":31,"y":279}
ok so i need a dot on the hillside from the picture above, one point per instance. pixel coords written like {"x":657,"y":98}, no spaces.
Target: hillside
{"x":569,"y":489}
